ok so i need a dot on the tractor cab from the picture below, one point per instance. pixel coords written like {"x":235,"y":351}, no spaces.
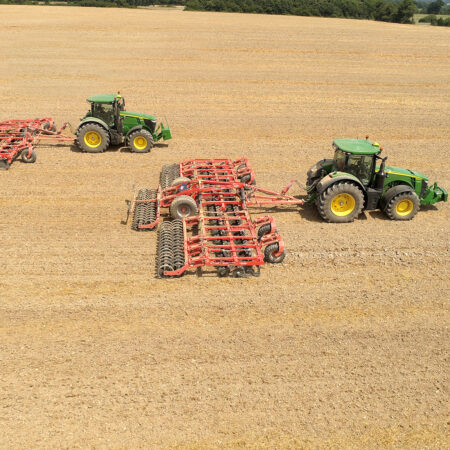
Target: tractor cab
{"x":107,"y":107}
{"x":356,"y":157}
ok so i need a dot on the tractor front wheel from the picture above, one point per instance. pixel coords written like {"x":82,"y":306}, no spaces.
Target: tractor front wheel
{"x":92,"y":138}
{"x":140,"y":141}
{"x":403,"y":206}
{"x":341,"y":202}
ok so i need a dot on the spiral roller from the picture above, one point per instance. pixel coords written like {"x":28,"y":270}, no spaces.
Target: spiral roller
{"x":165,"y":260}
{"x":144,"y":212}
{"x":168,"y":174}
{"x":178,"y":244}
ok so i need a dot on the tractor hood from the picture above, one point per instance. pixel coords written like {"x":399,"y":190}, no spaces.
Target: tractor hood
{"x":405,"y":172}
{"x":137,"y":115}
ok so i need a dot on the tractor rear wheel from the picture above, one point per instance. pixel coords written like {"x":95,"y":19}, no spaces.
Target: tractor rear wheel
{"x":341,"y":202}
{"x":92,"y":138}
{"x":183,"y":206}
{"x":140,"y":141}
{"x":403,"y":206}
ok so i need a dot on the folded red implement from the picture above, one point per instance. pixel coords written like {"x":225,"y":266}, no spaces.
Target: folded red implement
{"x":17,"y":138}
{"x":208,"y":200}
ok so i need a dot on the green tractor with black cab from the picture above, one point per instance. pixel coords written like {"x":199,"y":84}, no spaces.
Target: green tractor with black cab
{"x":107,"y":123}
{"x":353,"y":181}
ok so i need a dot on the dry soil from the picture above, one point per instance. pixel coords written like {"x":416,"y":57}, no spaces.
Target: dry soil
{"x":345,"y":344}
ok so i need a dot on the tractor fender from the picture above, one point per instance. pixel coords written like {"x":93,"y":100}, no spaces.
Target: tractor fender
{"x":317,"y":169}
{"x":327,"y":181}
{"x":392,"y":192}
{"x":93,"y":120}
{"x":136,"y":128}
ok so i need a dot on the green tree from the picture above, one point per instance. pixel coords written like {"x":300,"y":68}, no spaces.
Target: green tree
{"x":435,"y":7}
{"x":406,"y":11}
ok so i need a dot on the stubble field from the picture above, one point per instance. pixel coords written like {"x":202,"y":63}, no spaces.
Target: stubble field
{"x":344,"y":344}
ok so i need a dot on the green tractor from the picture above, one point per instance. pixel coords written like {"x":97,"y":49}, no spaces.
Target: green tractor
{"x":352,"y":181}
{"x":108,"y":123}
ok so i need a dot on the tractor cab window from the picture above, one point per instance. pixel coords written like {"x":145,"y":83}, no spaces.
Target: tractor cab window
{"x":339,"y":159}
{"x":361,"y":166}
{"x":104,"y":111}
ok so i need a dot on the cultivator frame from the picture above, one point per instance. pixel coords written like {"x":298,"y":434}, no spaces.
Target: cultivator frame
{"x":215,"y":229}
{"x":205,"y":177}
{"x":18,"y":137}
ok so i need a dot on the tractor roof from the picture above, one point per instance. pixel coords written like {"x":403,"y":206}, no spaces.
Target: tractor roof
{"x":103,"y":98}
{"x":357,"y":146}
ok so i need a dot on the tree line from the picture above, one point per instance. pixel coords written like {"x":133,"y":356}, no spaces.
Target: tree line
{"x":400,"y":11}
{"x":384,"y":10}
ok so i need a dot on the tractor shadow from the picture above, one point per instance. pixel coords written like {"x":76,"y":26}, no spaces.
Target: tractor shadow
{"x":376,"y":214}
{"x":111,"y":149}
{"x":380,"y":215}
{"x":125,"y":149}
{"x":428,"y":208}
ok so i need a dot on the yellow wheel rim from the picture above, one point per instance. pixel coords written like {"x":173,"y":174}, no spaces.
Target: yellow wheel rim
{"x":404,"y":207}
{"x":140,"y":142}
{"x":342,"y":204}
{"x":92,"y":139}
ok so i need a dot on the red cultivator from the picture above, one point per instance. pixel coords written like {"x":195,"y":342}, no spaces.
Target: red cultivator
{"x":208,"y":201}
{"x":17,"y":138}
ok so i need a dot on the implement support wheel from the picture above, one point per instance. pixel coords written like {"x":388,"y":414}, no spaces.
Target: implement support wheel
{"x":26,"y":158}
{"x":183,"y":206}
{"x":269,"y":254}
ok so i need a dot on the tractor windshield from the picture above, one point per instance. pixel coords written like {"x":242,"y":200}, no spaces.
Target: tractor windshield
{"x":104,"y":111}
{"x":361,"y":166}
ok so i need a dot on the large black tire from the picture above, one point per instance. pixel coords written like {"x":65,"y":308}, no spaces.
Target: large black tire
{"x":30,"y":159}
{"x":269,"y":254}
{"x":183,"y":206}
{"x":92,"y":138}
{"x":140,"y":141}
{"x":341,"y":202}
{"x":403,"y":206}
